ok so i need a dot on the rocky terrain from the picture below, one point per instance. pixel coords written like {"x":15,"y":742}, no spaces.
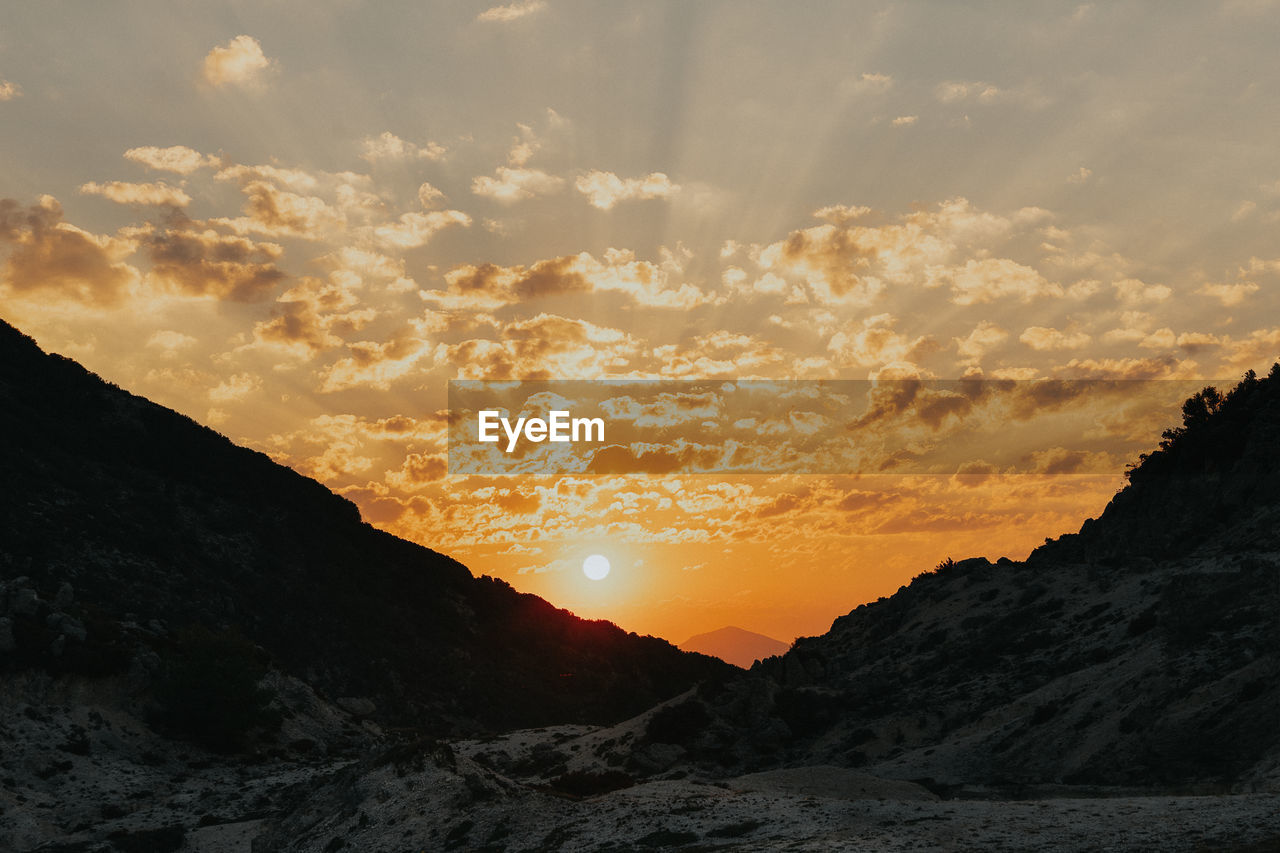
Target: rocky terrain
{"x":203,"y":651}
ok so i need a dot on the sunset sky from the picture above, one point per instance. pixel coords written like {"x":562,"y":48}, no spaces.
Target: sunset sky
{"x":296,"y":222}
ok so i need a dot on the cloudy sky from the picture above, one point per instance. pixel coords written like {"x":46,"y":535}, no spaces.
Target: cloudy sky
{"x":296,"y":222}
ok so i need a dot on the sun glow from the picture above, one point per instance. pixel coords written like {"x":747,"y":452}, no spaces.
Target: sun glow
{"x":596,"y":567}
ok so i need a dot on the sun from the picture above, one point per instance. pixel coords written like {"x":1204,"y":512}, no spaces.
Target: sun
{"x":596,"y":567}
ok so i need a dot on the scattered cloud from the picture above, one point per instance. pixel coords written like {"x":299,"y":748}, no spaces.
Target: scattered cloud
{"x":516,"y":184}
{"x":1042,"y":339}
{"x":429,"y":196}
{"x":605,"y":189}
{"x":175,"y":158}
{"x":904,"y":121}
{"x":387,"y":146}
{"x":9,"y":90}
{"x":1132,"y":291}
{"x":1229,"y":294}
{"x":511,"y":11}
{"x":952,"y":91}
{"x":49,"y":254}
{"x":239,"y":62}
{"x":192,"y":259}
{"x":158,"y":193}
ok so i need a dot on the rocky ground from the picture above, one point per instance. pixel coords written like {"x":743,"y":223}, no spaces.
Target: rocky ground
{"x":79,"y":772}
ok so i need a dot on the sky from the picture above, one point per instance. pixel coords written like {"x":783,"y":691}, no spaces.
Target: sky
{"x":296,"y":222}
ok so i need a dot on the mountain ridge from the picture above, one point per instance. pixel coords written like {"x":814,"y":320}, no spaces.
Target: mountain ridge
{"x":175,"y":525}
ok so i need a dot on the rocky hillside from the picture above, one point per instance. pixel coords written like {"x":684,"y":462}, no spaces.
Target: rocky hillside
{"x":132,"y":533}
{"x":1143,"y":651}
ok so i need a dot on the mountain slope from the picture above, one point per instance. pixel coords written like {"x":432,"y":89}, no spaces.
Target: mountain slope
{"x":1143,"y":651}
{"x":735,"y":645}
{"x":157,"y":523}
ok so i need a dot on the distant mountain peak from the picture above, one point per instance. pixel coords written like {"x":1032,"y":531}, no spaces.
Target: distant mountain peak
{"x":735,"y":645}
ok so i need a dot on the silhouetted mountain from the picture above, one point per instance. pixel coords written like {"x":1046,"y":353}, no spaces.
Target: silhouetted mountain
{"x":1142,"y":651}
{"x":738,"y":646}
{"x":152,"y":523}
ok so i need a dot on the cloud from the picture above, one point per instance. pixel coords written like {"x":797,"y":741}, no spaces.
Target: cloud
{"x":985,"y":337}
{"x":414,"y":229}
{"x":9,"y":91}
{"x":605,"y":189}
{"x":511,"y":12}
{"x":543,"y":347}
{"x":235,"y":387}
{"x":1194,"y":342}
{"x":376,"y":364}
{"x":485,"y":287}
{"x":314,"y":314}
{"x":904,"y":121}
{"x":950,"y":245}
{"x":158,"y":193}
{"x":48,"y":254}
{"x":274,"y":212}
{"x":388,"y":146}
{"x":430,"y":197}
{"x":175,"y":158}
{"x":293,"y":179}
{"x":240,"y":62}
{"x":1080,"y":176}
{"x":1132,"y":291}
{"x":839,"y":214}
{"x":170,"y":341}
{"x":989,"y":279}
{"x":198,"y":261}
{"x":515,"y":184}
{"x":1229,"y":294}
{"x":1043,"y":339}
{"x":876,"y":343}
{"x":952,"y":91}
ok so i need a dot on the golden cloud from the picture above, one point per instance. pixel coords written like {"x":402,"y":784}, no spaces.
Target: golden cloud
{"x":239,"y":62}
{"x":388,"y":146}
{"x":1042,"y":339}
{"x":511,"y":184}
{"x":196,"y":261}
{"x":158,"y":193}
{"x":605,"y":189}
{"x":1229,"y":294}
{"x":175,"y":158}
{"x":48,"y":254}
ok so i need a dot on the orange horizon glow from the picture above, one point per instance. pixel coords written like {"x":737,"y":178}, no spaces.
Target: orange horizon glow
{"x":298,"y":225}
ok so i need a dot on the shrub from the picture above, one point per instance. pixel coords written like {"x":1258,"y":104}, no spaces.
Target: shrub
{"x":209,"y":690}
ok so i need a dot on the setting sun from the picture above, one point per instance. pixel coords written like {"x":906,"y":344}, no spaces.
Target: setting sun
{"x":596,"y":567}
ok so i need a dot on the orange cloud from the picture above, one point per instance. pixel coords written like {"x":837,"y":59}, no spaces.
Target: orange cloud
{"x":48,"y":254}
{"x":201,"y":262}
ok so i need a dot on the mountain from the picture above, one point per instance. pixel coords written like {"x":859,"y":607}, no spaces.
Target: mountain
{"x":738,"y":646}
{"x":1142,"y":651}
{"x":132,"y":533}
{"x":1084,"y":699}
